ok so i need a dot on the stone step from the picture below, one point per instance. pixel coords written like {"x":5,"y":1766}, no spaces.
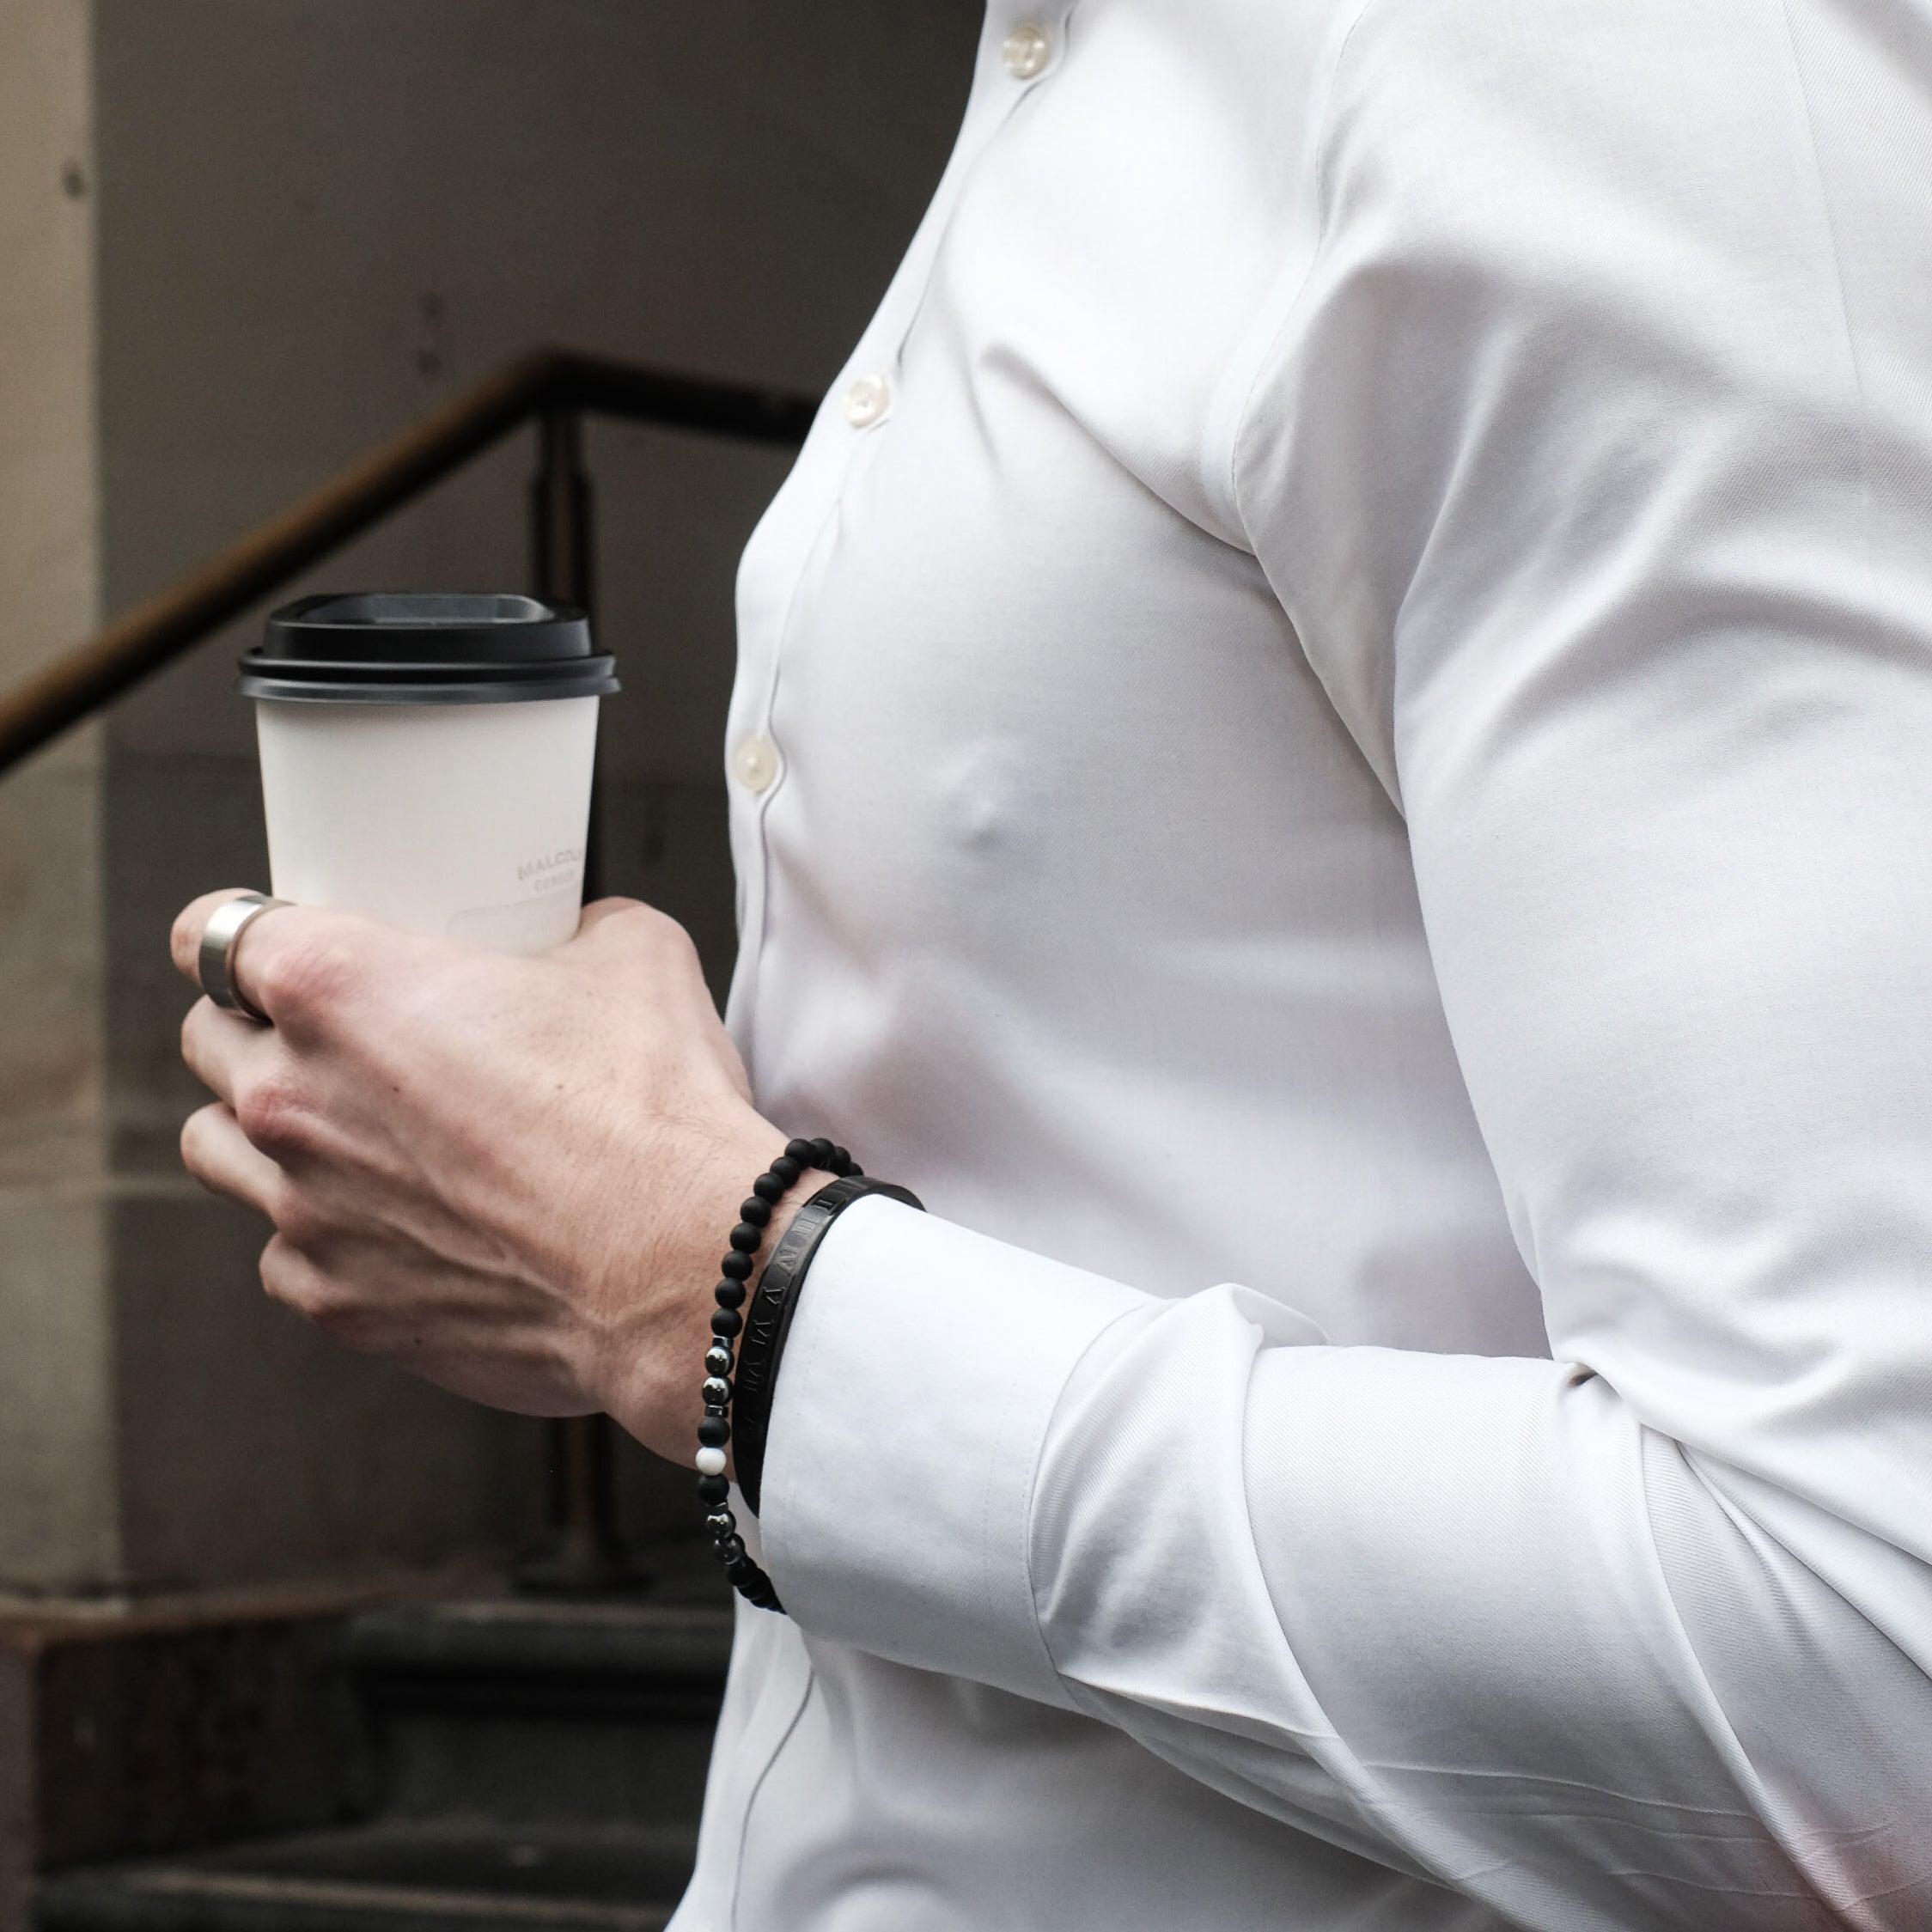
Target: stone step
{"x":527,"y":1766}
{"x":596,"y":1713}
{"x":392,"y":1875}
{"x":530,"y":1652}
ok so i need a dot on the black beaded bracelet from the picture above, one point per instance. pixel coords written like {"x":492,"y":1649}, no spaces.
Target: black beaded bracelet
{"x":715,"y":1430}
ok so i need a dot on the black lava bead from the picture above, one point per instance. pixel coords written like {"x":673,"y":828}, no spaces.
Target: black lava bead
{"x":714,"y":1431}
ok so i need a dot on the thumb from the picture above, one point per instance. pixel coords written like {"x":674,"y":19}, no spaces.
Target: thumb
{"x":599,"y":912}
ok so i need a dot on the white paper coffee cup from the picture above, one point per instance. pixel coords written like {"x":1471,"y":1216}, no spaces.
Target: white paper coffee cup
{"x":427,"y":761}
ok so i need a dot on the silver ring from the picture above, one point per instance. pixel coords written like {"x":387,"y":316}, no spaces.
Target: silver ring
{"x":226,"y":925}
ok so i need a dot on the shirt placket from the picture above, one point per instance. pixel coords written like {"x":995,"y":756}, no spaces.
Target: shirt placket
{"x":1021,"y":47}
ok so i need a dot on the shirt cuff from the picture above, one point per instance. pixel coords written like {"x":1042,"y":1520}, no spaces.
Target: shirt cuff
{"x":922,"y":1370}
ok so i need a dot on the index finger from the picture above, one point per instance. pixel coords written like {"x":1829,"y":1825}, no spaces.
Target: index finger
{"x":254,"y":978}
{"x":297,"y":964}
{"x":184,"y":940}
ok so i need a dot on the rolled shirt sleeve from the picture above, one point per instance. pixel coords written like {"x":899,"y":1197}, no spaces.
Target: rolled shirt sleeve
{"x":1592,"y":460}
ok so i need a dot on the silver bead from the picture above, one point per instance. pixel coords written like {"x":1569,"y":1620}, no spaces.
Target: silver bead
{"x":717,"y":1393}
{"x":718,"y":1361}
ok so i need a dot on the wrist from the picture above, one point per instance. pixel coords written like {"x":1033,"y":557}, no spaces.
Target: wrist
{"x":718,"y":1428}
{"x":784,"y":1214}
{"x":660,"y":1294}
{"x":747,"y":1333}
{"x":785,"y":1211}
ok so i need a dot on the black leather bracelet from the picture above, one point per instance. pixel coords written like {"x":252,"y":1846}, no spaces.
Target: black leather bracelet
{"x":719,"y":1424}
{"x":768,"y":1320}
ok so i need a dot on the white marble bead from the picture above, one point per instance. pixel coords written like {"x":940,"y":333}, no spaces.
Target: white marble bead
{"x":710,"y":1462}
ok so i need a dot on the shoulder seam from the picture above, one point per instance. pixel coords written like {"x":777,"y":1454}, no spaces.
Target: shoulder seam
{"x":1229,"y":413}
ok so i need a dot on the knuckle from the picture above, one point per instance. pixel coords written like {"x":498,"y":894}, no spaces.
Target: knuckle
{"x":304,"y":974}
{"x":274,"y":1116}
{"x":293,"y":1279}
{"x":665,"y":930}
{"x":664,"y":942}
{"x":335,"y":1313}
{"x":637,"y":920}
{"x":300,"y":1223}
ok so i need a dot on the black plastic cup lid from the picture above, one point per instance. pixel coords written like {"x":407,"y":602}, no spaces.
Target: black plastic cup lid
{"x":425,"y":648}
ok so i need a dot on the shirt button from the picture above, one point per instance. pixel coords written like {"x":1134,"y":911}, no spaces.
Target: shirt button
{"x":867,"y":400}
{"x":754,"y":765}
{"x":1027,"y":52}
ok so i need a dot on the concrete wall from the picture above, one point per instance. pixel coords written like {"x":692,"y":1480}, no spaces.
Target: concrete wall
{"x":57,"y":1439}
{"x":303,"y":224}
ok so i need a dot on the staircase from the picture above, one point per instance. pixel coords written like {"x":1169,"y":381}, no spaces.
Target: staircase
{"x":526,"y":1766}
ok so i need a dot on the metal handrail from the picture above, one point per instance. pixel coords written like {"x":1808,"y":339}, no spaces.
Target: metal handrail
{"x":552,"y":383}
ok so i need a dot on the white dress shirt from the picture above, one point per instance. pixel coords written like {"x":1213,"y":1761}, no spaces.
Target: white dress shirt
{"x":1332,"y":758}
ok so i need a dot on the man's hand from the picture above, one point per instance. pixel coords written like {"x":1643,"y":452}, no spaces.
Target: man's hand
{"x":514,"y":1176}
